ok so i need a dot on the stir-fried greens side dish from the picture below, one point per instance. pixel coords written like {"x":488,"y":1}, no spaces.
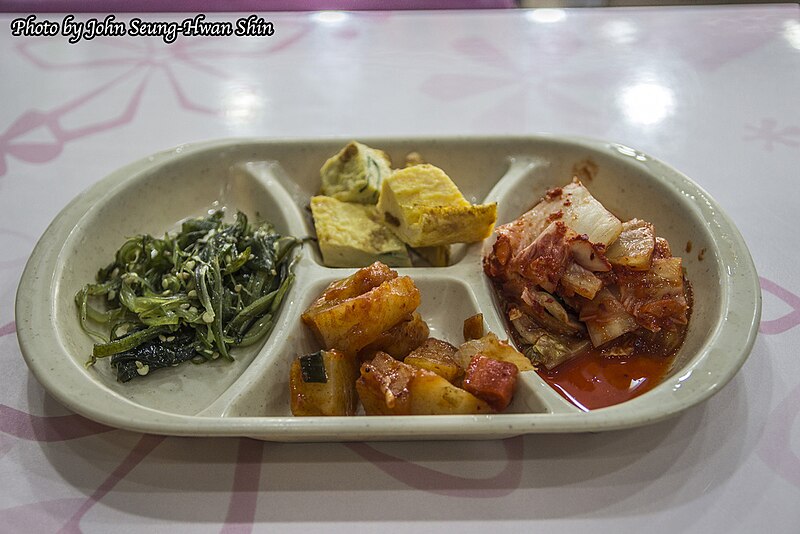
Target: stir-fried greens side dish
{"x":191,"y":296}
{"x":574,"y":278}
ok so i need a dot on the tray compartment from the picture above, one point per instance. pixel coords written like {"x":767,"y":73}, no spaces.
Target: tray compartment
{"x":152,"y":202}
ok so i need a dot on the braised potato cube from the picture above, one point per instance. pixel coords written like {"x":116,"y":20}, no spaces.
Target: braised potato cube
{"x":399,"y":340}
{"x":348,"y":319}
{"x":492,"y":347}
{"x":390,"y":387}
{"x":436,"y":356}
{"x":324,"y":384}
{"x":354,"y":285}
{"x":383,"y":386}
{"x":473,"y":327}
{"x":491,"y":380}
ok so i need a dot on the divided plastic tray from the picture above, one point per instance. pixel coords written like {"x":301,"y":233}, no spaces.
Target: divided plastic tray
{"x":274,"y":180}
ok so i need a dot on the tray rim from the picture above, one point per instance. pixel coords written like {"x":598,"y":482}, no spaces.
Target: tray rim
{"x":391,"y":427}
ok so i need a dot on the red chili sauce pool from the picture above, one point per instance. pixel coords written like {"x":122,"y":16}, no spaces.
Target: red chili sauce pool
{"x":602,"y":377}
{"x":595,"y":380}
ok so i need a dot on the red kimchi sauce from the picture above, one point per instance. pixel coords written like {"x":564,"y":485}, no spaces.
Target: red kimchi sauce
{"x":594,"y":380}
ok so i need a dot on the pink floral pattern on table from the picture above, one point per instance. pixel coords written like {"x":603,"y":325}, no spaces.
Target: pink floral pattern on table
{"x":48,"y":515}
{"x":36,"y":517}
{"x":144,"y":60}
{"x":703,"y":43}
{"x":244,"y":494}
{"x":513,"y":79}
{"x":770,"y":134}
{"x":776,"y":444}
{"x":787,"y":321}
{"x":139,"y":452}
{"x":42,"y":516}
{"x":39,"y":428}
{"x":8,"y":329}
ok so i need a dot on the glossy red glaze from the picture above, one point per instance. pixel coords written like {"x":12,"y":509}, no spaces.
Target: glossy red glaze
{"x":594,"y":380}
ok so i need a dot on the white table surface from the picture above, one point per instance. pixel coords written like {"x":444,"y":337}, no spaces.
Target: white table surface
{"x":712,"y":91}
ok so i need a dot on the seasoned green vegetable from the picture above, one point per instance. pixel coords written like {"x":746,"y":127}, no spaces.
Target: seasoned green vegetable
{"x":189,"y":296}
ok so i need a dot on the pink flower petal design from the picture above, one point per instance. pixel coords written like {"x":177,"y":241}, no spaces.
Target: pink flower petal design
{"x":244,"y":494}
{"x":138,"y":58}
{"x":50,"y":121}
{"x":768,"y":132}
{"x":42,"y":516}
{"x":140,"y":451}
{"x":26,"y":122}
{"x":788,"y":321}
{"x":706,"y":42}
{"x":483,"y":51}
{"x":30,"y":51}
{"x":47,"y":516}
{"x":35,"y":152}
{"x":47,"y":429}
{"x":8,"y":329}
{"x":519,"y":78}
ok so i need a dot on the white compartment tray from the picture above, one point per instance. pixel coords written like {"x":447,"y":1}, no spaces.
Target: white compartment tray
{"x":274,"y":180}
